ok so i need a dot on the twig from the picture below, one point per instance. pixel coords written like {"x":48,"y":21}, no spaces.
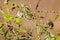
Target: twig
{"x":37,"y":4}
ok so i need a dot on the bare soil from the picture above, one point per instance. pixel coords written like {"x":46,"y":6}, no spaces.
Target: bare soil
{"x":48,"y":8}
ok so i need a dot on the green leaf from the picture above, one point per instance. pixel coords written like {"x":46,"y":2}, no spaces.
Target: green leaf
{"x":43,"y":26}
{"x":58,"y":38}
{"x":30,"y":14}
{"x":7,"y":17}
{"x":21,"y":30}
{"x":1,"y":26}
{"x":18,"y":21}
{"x":46,"y":38}
{"x":52,"y":38}
{"x":46,"y":31}
{"x":40,"y":26}
{"x":58,"y":16}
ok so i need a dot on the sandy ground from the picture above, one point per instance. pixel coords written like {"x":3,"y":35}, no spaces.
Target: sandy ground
{"x":49,"y":9}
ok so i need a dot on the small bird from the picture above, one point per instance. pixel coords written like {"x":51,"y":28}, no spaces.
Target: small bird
{"x":51,"y":24}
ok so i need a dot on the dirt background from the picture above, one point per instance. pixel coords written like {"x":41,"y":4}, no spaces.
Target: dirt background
{"x":48,"y":8}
